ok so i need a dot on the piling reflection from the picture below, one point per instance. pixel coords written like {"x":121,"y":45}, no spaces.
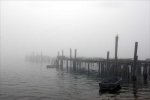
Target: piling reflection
{"x":94,"y":72}
{"x":135,"y":89}
{"x":128,"y":85}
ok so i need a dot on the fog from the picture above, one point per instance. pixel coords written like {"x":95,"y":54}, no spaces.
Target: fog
{"x":88,"y":26}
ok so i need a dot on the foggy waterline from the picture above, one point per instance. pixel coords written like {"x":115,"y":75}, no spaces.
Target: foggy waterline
{"x":34,"y":81}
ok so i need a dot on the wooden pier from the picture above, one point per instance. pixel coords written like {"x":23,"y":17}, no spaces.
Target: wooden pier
{"x":128,"y":68}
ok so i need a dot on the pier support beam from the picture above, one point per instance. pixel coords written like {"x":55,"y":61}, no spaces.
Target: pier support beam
{"x":135,"y":61}
{"x":62,"y":58}
{"x":67,"y":64}
{"x":70,"y":53}
{"x":70,"y":58}
{"x":116,"y":50}
{"x":145,"y":72}
{"x":99,"y":64}
{"x":75,"y":53}
{"x":74,"y":61}
{"x":88,"y":69}
{"x":107,"y":66}
{"x":58,"y":59}
{"x":102,"y":69}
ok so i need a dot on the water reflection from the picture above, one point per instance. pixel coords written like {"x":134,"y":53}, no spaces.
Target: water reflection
{"x":135,"y":89}
{"x":37,"y":82}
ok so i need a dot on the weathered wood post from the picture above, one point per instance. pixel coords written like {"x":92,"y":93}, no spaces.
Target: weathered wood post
{"x":67,"y":64}
{"x":70,"y":57}
{"x":62,"y":58}
{"x":102,"y":69}
{"x":116,"y":56}
{"x":149,"y":69}
{"x":107,"y":55}
{"x":75,"y":58}
{"x":128,"y":72}
{"x":75,"y":53}
{"x":116,"y":48}
{"x":135,"y":61}
{"x":58,"y":58}
{"x":70,"y":53}
{"x":99,"y":64}
{"x":74,"y":62}
{"x":145,"y":72}
{"x":88,"y":69}
{"x":107,"y":61}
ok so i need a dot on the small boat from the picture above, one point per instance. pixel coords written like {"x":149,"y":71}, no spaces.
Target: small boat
{"x":110,"y":84}
{"x":51,"y":66}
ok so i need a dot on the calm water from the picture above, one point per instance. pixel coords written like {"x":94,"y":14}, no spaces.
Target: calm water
{"x":20,"y":80}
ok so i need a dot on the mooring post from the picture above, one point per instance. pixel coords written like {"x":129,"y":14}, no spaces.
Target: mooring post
{"x":88,"y":69}
{"x":102,"y":69}
{"x":67,"y":63}
{"x":107,"y":55}
{"x":116,"y":52}
{"x":70,"y":53}
{"x":128,"y":72}
{"x":149,"y":69}
{"x":145,"y":72}
{"x":58,"y":58}
{"x":70,"y":57}
{"x":74,"y":61}
{"x":107,"y":61}
{"x":99,"y":68}
{"x":62,"y":58}
{"x":75,"y":53}
{"x":135,"y":61}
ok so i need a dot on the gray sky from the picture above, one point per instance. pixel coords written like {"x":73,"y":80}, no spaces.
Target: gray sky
{"x":89,"y":26}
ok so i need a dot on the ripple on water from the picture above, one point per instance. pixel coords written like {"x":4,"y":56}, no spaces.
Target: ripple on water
{"x":6,"y":97}
{"x":25,"y":98}
{"x":60,"y":85}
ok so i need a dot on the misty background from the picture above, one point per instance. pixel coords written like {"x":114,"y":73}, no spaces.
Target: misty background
{"x":88,"y":26}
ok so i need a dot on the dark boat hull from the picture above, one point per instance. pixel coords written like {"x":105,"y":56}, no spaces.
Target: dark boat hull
{"x":110,"y":85}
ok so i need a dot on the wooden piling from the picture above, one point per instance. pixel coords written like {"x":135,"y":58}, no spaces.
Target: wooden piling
{"x":62,"y":58}
{"x":67,"y":64}
{"x":70,"y":57}
{"x":145,"y":72}
{"x":74,"y":61}
{"x":102,"y":69}
{"x":75,"y":53}
{"x":88,"y":69}
{"x":70,"y":53}
{"x":116,"y":50}
{"x":99,"y":68}
{"x":58,"y":58}
{"x":135,"y":61}
{"x":107,"y":55}
{"x":107,"y":62}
